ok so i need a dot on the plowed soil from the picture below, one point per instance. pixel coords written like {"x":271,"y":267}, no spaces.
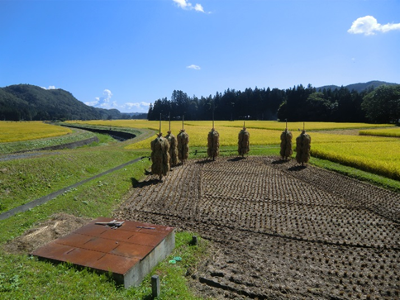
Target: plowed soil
{"x":278,"y":230}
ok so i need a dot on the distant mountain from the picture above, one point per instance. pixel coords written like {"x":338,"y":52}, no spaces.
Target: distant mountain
{"x":358,"y":87}
{"x":134,"y":115}
{"x":30,"y":102}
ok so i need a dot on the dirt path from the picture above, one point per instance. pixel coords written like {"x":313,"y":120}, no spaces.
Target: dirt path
{"x":279,"y":231}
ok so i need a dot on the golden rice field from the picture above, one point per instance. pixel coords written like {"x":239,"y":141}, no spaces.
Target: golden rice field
{"x":24,"y":131}
{"x":375,"y":154}
{"x":292,"y":126}
{"x":379,"y":157}
{"x":270,"y":125}
{"x":393,"y":132}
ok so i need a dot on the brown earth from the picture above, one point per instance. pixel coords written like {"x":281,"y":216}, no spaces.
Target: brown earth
{"x":278,"y":230}
{"x":57,"y":226}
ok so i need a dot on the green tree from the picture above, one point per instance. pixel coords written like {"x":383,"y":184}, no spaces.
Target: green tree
{"x":383,"y":104}
{"x":318,"y":108}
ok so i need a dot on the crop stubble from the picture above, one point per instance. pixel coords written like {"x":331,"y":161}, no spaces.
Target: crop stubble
{"x":279,"y":230}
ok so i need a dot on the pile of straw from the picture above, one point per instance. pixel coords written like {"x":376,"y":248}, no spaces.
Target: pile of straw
{"x":244,"y":142}
{"x":286,"y":144}
{"x":213,"y":144}
{"x":160,"y":156}
{"x":173,"y":149}
{"x":303,"y":146}
{"x":183,"y":145}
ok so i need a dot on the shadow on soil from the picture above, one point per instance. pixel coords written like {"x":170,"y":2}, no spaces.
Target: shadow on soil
{"x":297,"y":168}
{"x":237,"y":158}
{"x":205,"y":161}
{"x":280,"y":161}
{"x":140,"y":184}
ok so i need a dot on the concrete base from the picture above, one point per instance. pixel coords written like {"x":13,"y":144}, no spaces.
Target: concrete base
{"x":129,"y":252}
{"x":136,"y":274}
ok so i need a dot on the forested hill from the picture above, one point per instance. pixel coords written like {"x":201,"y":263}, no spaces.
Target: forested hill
{"x":358,"y":87}
{"x":30,"y":102}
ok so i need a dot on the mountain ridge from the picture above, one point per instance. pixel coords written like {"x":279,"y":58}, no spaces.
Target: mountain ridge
{"x":358,"y":87}
{"x":30,"y":102}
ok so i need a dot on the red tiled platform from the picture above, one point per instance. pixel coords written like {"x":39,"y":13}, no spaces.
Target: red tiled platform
{"x":129,"y":252}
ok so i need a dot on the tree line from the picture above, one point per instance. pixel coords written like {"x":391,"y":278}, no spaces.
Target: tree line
{"x":375,"y":105}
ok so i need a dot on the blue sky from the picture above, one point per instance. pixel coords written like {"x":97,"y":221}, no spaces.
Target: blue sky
{"x":127,"y":54}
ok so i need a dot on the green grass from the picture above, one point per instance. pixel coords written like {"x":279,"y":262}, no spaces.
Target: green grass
{"x":25,"y":180}
{"x":24,"y":277}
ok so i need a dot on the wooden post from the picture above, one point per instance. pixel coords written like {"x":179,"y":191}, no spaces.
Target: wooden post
{"x":155,"y":286}
{"x":159,"y":129}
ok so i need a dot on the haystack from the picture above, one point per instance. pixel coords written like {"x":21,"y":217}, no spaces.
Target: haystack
{"x":173,"y":149}
{"x":303,"y":146}
{"x":286,"y":144}
{"x":244,"y":142}
{"x":183,"y":145}
{"x":213,"y":144}
{"x":160,"y":156}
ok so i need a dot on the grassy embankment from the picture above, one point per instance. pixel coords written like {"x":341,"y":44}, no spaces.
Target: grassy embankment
{"x":23,"y":277}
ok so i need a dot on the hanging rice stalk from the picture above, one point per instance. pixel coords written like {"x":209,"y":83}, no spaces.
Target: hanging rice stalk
{"x":213,"y":144}
{"x":286,"y":144}
{"x":303,"y":146}
{"x":173,"y":149}
{"x":160,"y":156}
{"x":213,"y":139}
{"x":173,"y":146}
{"x":244,"y":142}
{"x":183,"y":144}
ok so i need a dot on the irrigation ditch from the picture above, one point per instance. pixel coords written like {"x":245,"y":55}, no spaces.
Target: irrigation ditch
{"x":119,"y":135}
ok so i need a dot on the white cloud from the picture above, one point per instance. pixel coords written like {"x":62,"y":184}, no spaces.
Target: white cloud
{"x":106,"y":103}
{"x":185,"y":4}
{"x":51,"y":87}
{"x":181,"y":3}
{"x":368,"y":25}
{"x":198,"y":7}
{"x":142,"y":107}
{"x":103,"y":102}
{"x":194,"y":67}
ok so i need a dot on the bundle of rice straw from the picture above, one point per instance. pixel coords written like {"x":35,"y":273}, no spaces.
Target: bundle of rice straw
{"x":286,"y":144}
{"x":303,"y":146}
{"x":213,"y":144}
{"x":244,"y":142}
{"x":173,"y":149}
{"x":160,"y":156}
{"x":183,"y":145}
